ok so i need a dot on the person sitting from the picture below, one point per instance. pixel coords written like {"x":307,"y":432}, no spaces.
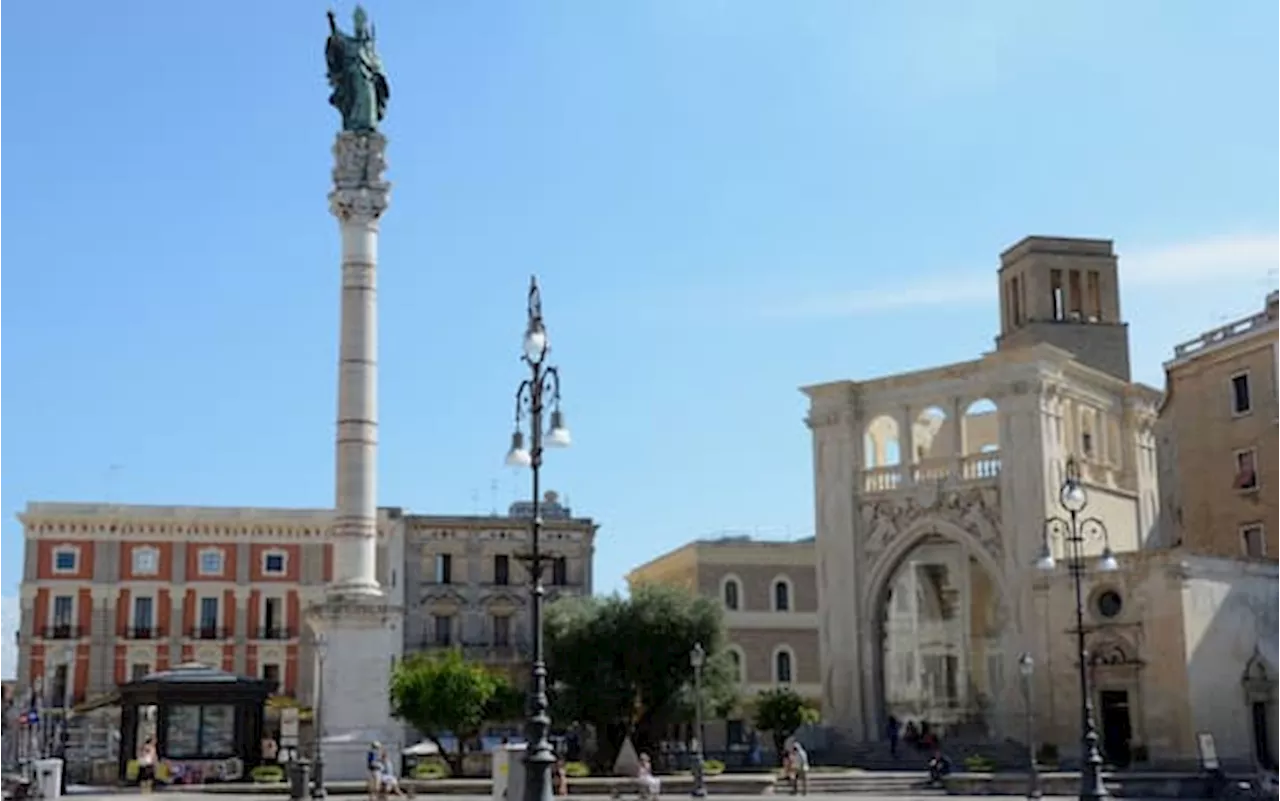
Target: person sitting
{"x":939,"y":766}
{"x":388,"y":782}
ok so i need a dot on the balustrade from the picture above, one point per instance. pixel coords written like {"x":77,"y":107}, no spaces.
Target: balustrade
{"x":972,"y":467}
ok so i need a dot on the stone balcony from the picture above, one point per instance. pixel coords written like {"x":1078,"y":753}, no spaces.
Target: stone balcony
{"x":971,"y":469}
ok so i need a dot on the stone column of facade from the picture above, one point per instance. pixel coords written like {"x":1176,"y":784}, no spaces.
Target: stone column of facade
{"x":355,"y":616}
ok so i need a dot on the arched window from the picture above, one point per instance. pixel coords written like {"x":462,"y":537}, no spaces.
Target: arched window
{"x":735,"y":664}
{"x":731,"y":593}
{"x":781,"y":595}
{"x":782,"y":666}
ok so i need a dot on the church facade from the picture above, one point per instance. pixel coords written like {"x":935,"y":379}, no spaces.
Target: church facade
{"x":932,"y":492}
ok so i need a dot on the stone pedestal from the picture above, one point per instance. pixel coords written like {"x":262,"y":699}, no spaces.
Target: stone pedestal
{"x":360,"y":626}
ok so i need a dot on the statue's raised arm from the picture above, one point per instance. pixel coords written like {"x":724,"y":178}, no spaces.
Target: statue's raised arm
{"x":360,"y":87}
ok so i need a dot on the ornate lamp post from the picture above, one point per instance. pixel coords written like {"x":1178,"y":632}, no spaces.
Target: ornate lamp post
{"x":543,"y":384}
{"x":320,"y":644}
{"x":1027,"y":667}
{"x":698,"y":658}
{"x":1073,"y":531}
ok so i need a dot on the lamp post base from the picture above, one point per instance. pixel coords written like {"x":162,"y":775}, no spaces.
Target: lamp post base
{"x":699,"y":777}
{"x":317,"y":780}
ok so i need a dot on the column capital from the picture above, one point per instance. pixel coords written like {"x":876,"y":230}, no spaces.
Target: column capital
{"x":359,"y":192}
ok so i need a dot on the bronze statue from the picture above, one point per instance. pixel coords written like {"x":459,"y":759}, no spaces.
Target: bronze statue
{"x":360,"y":88}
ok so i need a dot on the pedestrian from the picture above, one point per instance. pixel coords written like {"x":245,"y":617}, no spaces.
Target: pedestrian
{"x":800,"y":766}
{"x":373,"y":764}
{"x":147,"y":765}
{"x":895,"y":733}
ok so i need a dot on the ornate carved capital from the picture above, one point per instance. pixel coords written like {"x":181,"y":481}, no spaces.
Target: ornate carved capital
{"x":359,"y":191}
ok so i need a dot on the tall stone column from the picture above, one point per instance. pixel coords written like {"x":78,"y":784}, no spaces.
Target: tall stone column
{"x":360,"y":626}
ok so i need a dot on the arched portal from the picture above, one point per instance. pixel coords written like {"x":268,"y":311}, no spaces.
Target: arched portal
{"x":940,"y":616}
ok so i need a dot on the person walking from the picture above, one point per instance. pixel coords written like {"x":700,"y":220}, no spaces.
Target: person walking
{"x":895,"y":734}
{"x":800,"y":766}
{"x":147,"y":765}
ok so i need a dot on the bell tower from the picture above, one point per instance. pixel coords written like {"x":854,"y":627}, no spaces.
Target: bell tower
{"x":1064,"y":292}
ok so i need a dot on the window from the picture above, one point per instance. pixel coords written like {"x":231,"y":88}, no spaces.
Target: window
{"x":146,"y":561}
{"x":1109,"y":604}
{"x":560,"y":571}
{"x":66,"y":559}
{"x":139,"y":671}
{"x":444,"y":568}
{"x":1241,"y":398}
{"x":63,"y":617}
{"x":1246,"y":472}
{"x":782,"y":667}
{"x":735,"y":665}
{"x":61,"y":686}
{"x":273,"y":563}
{"x":211,"y":562}
{"x":730,"y":592}
{"x":208,"y":619}
{"x":444,"y":630}
{"x":735,"y":733}
{"x":143,"y":615}
{"x":271,"y":672}
{"x":1252,"y":541}
{"x":200,"y":731}
{"x":502,"y":569}
{"x":781,"y":596}
{"x":501,"y":630}
{"x":272,"y":618}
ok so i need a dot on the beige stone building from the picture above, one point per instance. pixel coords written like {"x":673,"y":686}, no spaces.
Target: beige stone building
{"x":467,"y":585}
{"x":1218,"y":437}
{"x":769,"y":594}
{"x":932,"y":491}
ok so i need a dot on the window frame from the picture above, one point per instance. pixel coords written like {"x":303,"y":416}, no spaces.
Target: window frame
{"x":63,"y":550}
{"x":1248,"y":387}
{"x":783,"y":581}
{"x":144,"y":550}
{"x":442,"y":569}
{"x":502,"y":578}
{"x":1238,"y":470}
{"x":725,"y":581}
{"x":267,"y":556}
{"x":790,"y":653}
{"x":207,"y":552}
{"x":1244,"y":530}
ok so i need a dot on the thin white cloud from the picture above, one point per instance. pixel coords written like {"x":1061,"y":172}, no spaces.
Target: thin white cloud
{"x":1186,"y":264}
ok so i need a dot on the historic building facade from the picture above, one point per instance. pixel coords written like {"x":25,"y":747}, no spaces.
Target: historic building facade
{"x":1218,"y":438}
{"x":769,"y":594}
{"x":467,"y":584}
{"x":111,"y":592}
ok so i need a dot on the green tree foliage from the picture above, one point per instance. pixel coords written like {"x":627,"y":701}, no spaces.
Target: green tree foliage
{"x":442,"y":694}
{"x":781,"y":711}
{"x":622,"y":665}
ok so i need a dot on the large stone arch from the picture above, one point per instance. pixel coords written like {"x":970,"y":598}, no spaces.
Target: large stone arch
{"x":890,"y":559}
{"x":980,"y":546}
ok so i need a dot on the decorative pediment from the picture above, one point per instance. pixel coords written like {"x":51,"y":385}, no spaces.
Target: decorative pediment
{"x":503,"y":596}
{"x":1113,"y":653}
{"x":1258,"y":678}
{"x":976,"y":510}
{"x":442,"y":593}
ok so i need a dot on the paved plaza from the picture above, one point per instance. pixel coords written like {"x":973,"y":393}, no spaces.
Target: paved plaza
{"x":187,"y":796}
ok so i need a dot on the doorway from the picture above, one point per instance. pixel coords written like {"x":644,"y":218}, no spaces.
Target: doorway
{"x":1117,"y":729}
{"x":1262,"y":735}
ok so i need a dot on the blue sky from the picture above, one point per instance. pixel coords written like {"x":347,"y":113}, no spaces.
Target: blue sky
{"x":724,"y":200}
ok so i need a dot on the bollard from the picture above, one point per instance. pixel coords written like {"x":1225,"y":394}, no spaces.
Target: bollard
{"x":299,"y":780}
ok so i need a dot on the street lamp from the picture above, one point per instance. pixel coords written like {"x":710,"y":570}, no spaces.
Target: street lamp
{"x":320,"y":644}
{"x":1027,"y":666}
{"x":1073,"y":531}
{"x":531,"y":396}
{"x":697,"y":658}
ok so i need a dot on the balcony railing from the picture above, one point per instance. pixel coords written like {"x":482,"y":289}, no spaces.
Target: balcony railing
{"x":208,"y":633}
{"x":144,"y":633}
{"x":974,"y":467}
{"x":276,"y":633}
{"x":491,"y":649}
{"x":62,"y":631}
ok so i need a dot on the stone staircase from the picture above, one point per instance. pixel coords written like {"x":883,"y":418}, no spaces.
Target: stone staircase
{"x":877,"y":783}
{"x":876,"y":756}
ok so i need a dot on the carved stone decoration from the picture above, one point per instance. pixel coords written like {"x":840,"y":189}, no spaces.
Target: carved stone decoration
{"x":975,"y":510}
{"x":359,"y":191}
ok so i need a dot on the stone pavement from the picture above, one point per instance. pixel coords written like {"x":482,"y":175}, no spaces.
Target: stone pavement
{"x":164,"y":796}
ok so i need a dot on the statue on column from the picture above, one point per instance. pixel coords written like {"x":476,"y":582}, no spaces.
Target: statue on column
{"x":360,"y":88}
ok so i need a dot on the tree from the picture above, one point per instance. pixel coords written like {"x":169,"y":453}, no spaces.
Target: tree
{"x":444,"y":694}
{"x":781,"y":711}
{"x":622,"y":665}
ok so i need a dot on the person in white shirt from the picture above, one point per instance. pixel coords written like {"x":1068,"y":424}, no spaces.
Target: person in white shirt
{"x":800,"y":765}
{"x":649,"y":784}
